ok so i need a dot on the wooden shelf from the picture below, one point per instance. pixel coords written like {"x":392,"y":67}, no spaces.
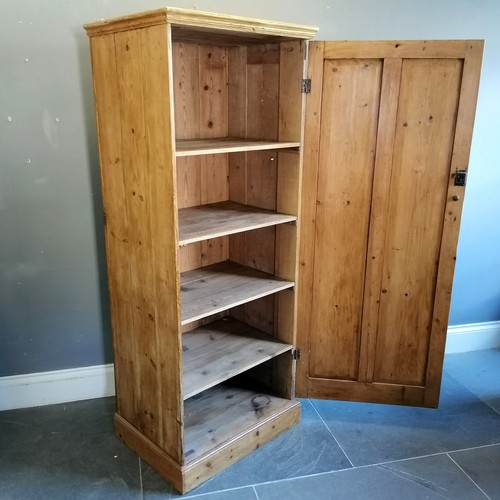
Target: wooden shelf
{"x":193,"y":147}
{"x":225,"y":413}
{"x":223,"y":349}
{"x":216,"y":288}
{"x":227,"y":217}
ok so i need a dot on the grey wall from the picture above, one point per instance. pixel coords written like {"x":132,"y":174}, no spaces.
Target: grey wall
{"x":54,"y":310}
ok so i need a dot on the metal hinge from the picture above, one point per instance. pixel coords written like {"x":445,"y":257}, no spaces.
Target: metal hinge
{"x":306,"y":85}
{"x":460,"y":177}
{"x":295,"y":353}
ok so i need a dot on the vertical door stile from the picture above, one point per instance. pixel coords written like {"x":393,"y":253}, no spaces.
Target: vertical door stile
{"x":391,"y":78}
{"x":452,"y":216}
{"x":307,"y":213}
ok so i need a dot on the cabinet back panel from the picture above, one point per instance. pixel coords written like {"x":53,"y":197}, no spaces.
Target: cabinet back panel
{"x":347,"y":148}
{"x":425,"y":126}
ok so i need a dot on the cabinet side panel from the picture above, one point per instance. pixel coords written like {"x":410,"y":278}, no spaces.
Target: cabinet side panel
{"x":351,"y":95}
{"x":149,"y":175}
{"x":425,"y":129}
{"x":116,"y":219}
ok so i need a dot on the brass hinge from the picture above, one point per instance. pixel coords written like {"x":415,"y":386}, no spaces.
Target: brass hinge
{"x":306,"y":85}
{"x":295,"y":353}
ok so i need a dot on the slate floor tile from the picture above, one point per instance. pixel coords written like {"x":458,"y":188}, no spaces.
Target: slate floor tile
{"x":373,"y":483}
{"x":65,"y":451}
{"x":438,"y":474}
{"x":479,"y":371}
{"x":483,"y":467}
{"x":372,"y":434}
{"x":308,"y":448}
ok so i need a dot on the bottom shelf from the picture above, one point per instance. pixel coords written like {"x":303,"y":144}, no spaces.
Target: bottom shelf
{"x":222,"y":413}
{"x":222,"y":425}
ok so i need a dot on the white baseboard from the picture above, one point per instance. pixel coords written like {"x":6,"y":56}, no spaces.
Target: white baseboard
{"x":473,"y":337}
{"x":63,"y":386}
{"x":60,"y":386}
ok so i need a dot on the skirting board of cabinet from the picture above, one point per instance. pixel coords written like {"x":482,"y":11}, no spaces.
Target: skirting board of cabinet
{"x":185,"y":478}
{"x":76,"y":384}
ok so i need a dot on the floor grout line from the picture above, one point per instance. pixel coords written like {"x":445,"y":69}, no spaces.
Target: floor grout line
{"x":354,"y":467}
{"x":140,"y":478}
{"x":477,"y":485}
{"x":473,"y":392}
{"x":330,"y":431}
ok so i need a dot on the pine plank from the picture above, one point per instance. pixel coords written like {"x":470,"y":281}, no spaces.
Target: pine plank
{"x":389,"y":97}
{"x":425,"y":130}
{"x":193,"y":147}
{"x":189,"y":24}
{"x":452,"y":216}
{"x":227,"y":217}
{"x":218,"y":287}
{"x":223,"y":349}
{"x":351,"y":96}
{"x":307,"y":212}
{"x":223,"y":413}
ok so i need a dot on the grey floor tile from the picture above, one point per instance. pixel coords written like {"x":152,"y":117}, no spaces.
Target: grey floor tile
{"x":65,"y":451}
{"x":374,"y":483}
{"x":372,"y":434}
{"x":479,"y":371}
{"x":308,"y":448}
{"x":239,"y":494}
{"x":483,"y":467}
{"x":438,"y":474}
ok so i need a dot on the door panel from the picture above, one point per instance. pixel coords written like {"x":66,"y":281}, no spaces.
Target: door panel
{"x":347,"y":152}
{"x":377,"y":244}
{"x":427,"y":111}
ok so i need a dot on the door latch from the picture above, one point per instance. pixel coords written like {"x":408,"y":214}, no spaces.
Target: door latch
{"x":460,"y":177}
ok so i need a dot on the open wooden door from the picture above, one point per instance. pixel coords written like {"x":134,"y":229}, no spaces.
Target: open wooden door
{"x":387,"y":135}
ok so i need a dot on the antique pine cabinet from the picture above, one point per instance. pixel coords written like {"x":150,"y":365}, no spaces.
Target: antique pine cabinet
{"x":281,"y":219}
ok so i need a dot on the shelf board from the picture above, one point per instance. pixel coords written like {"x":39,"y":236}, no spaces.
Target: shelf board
{"x":193,"y":147}
{"x":225,"y":413}
{"x":223,"y":349}
{"x":227,"y":217}
{"x":216,"y":288}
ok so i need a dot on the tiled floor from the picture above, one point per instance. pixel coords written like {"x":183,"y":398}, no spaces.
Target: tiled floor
{"x":338,"y":451}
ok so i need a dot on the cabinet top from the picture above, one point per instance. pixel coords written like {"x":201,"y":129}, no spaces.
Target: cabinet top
{"x":194,"y":25}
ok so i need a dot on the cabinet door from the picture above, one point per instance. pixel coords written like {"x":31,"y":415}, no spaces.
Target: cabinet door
{"x":387,"y":126}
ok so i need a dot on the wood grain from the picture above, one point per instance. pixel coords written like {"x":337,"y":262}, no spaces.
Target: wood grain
{"x":389,"y":98}
{"x":217,"y":416}
{"x":219,"y":219}
{"x":452,"y":216}
{"x":218,"y":287}
{"x":307,"y":214}
{"x":351,"y":93}
{"x":397,"y":49}
{"x":425,"y":128}
{"x":250,"y":438}
{"x":227,"y":145}
{"x":146,"y":301}
{"x":204,"y":25}
{"x":218,"y":351}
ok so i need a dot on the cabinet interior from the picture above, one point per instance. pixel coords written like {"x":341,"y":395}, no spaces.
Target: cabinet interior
{"x":237,"y":136}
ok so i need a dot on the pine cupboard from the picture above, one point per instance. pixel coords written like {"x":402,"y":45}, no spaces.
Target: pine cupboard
{"x":272,"y":205}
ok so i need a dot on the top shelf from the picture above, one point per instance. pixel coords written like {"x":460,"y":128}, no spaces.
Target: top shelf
{"x":194,"y":147}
